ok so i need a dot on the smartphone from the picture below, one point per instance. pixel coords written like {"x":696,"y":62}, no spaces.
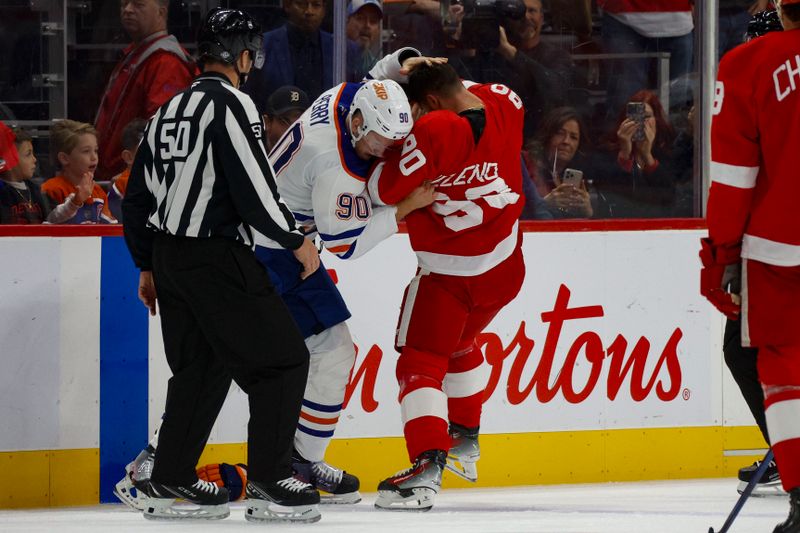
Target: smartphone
{"x":572,"y":177}
{"x":635,"y":112}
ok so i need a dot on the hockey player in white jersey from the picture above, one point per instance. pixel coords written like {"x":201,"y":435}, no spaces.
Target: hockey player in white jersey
{"x":321,"y":165}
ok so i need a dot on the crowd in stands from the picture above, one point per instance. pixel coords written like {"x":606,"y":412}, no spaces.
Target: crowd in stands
{"x":586,"y":154}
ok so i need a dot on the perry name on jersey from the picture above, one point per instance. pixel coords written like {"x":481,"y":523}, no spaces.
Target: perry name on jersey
{"x":323,"y":181}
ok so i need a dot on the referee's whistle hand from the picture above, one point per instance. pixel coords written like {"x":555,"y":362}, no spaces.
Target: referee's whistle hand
{"x":308,"y":255}
{"x":147,"y":291}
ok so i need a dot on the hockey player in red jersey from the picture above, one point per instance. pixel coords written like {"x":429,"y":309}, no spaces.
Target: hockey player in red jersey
{"x":752,"y":218}
{"x":470,"y":266}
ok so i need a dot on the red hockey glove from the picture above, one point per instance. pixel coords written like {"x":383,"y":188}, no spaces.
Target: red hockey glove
{"x":715,"y":259}
{"x":232,"y":477}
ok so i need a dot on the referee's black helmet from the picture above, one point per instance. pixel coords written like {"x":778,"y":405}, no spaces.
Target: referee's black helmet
{"x":225,"y":33}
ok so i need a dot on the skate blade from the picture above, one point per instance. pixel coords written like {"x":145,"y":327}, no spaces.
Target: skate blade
{"x":124,"y":492}
{"x":339,"y":499}
{"x":165,"y":509}
{"x":264,"y":511}
{"x":420,"y":500}
{"x":764,"y":490}
{"x":464,"y":469}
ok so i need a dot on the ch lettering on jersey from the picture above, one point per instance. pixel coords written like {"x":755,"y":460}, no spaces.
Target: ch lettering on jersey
{"x":785,"y":78}
{"x":319,"y":111}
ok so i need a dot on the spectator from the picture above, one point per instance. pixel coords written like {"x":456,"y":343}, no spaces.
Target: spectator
{"x":75,"y":147}
{"x":555,"y":149}
{"x":636,"y":179}
{"x":535,"y":207}
{"x":152,"y":69}
{"x":734,"y":17}
{"x":284,"y":107}
{"x":298,"y":53}
{"x":538,"y":72}
{"x":131,"y":136}
{"x":638,"y":27}
{"x":364,"y":28}
{"x":21,"y":200}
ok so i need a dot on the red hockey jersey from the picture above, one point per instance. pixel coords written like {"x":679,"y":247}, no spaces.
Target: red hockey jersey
{"x":472,"y":225}
{"x":755,"y":135}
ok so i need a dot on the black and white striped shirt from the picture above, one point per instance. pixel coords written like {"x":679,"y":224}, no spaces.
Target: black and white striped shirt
{"x":202,"y":171}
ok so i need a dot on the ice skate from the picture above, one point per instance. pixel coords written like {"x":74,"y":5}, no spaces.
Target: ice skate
{"x":287,"y":500}
{"x":202,"y":500}
{"x":335,"y":486}
{"x":130,"y":489}
{"x":415,"y":488}
{"x":792,"y":523}
{"x":464,"y":452}
{"x":768,"y":485}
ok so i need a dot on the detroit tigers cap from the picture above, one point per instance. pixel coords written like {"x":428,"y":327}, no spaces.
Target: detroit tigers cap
{"x":9,"y":158}
{"x":285,"y":99}
{"x":355,"y":5}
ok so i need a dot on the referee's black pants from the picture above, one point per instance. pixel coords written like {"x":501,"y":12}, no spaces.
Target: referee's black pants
{"x":221,"y":318}
{"x":743,"y":365}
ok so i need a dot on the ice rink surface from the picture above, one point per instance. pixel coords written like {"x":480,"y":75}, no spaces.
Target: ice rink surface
{"x":647,"y":507}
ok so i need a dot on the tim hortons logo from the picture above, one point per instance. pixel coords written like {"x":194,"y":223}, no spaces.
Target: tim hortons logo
{"x":625,"y":366}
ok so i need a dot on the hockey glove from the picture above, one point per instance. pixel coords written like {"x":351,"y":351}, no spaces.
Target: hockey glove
{"x":712,"y":276}
{"x":232,"y":477}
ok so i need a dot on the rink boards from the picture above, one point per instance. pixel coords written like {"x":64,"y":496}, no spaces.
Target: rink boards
{"x":607,"y":366}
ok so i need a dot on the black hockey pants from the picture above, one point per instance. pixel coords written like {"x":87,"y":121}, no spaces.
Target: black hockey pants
{"x":221,"y":318}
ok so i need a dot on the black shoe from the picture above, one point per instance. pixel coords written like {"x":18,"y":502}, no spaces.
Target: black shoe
{"x":200,"y":493}
{"x":208,"y":501}
{"x":414,"y":488}
{"x":771,"y":474}
{"x":287,"y":500}
{"x":339,"y":486}
{"x":792,"y":523}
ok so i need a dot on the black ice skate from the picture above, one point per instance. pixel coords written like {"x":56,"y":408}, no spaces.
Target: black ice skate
{"x":770,"y":483}
{"x":413,"y":489}
{"x":130,"y":489}
{"x":287,"y":500}
{"x":335,"y":486}
{"x":464,"y":452}
{"x":201,"y":500}
{"x":792,"y":523}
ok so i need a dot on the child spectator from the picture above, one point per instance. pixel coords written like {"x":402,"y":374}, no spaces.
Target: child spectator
{"x":75,"y":147}
{"x":21,"y":200}
{"x":132,"y":134}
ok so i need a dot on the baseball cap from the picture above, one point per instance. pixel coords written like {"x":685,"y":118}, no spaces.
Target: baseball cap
{"x":287,"y":98}
{"x":9,"y":158}
{"x":355,"y":5}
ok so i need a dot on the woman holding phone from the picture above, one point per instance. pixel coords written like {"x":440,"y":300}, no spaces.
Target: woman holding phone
{"x":555,"y":164}
{"x":634,"y":168}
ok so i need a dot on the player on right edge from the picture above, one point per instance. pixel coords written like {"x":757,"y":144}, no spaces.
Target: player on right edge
{"x":752,"y":218}
{"x":470,"y":266}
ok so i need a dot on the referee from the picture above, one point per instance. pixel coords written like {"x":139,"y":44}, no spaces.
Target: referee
{"x":200,"y":181}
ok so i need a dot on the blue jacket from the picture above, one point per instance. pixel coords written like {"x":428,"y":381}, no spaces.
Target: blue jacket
{"x":278,"y":69}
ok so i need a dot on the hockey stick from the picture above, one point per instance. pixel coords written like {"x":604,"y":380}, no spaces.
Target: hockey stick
{"x":745,"y":493}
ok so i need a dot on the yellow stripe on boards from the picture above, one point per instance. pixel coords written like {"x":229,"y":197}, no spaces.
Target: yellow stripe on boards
{"x":49,"y":478}
{"x":71,"y":477}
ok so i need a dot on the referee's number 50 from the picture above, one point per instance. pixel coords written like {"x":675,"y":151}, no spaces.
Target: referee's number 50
{"x":175,"y":140}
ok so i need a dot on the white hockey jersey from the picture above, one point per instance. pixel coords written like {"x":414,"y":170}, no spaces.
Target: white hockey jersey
{"x":323,"y":181}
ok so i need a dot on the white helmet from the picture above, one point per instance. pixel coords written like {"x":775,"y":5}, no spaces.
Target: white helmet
{"x":384,"y":109}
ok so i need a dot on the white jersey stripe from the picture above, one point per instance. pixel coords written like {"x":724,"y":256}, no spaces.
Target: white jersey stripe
{"x":783,"y":421}
{"x":408,"y":308}
{"x":465,"y":384}
{"x":734,"y":175}
{"x":770,"y":252}
{"x":426,"y":401}
{"x":459,"y":265}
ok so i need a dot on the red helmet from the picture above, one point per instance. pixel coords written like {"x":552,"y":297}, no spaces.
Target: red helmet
{"x":9,"y":158}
